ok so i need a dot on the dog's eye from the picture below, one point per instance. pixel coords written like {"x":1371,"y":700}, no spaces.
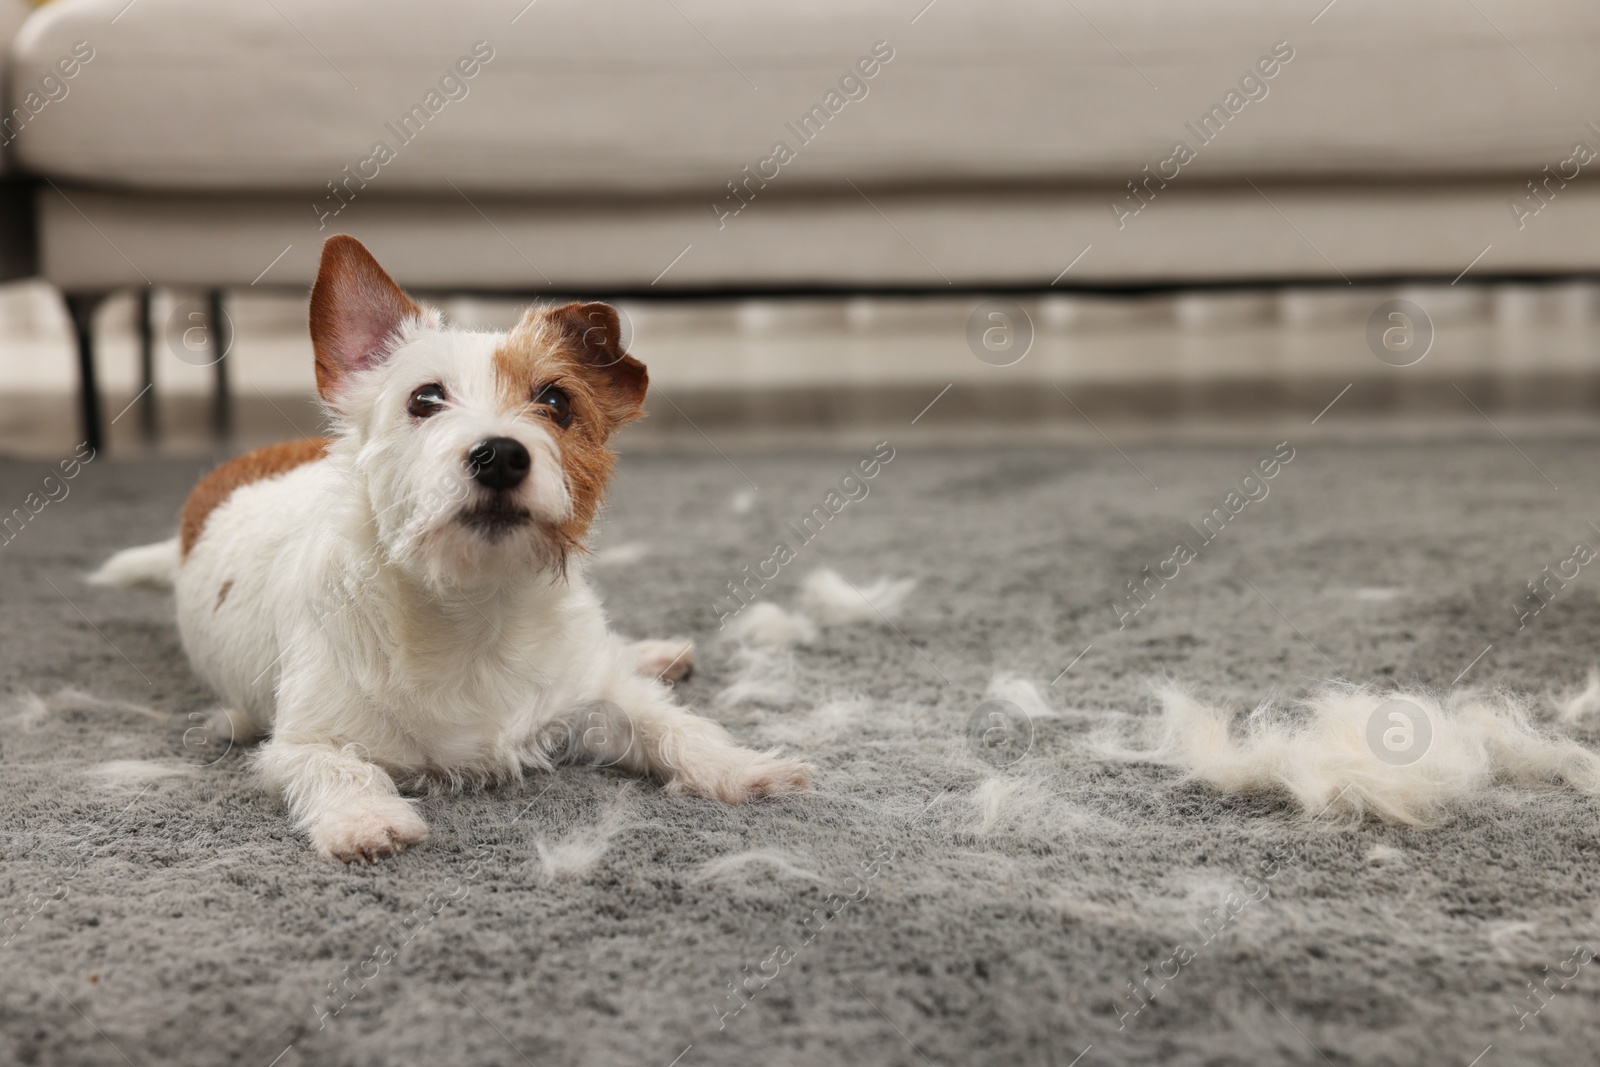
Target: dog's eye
{"x":557,"y":404}
{"x":427,"y":400}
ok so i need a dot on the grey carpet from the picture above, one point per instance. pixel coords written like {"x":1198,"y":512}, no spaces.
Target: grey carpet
{"x":190,"y":925}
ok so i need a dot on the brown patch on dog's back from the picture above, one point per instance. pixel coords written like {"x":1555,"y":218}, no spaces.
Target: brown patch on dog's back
{"x":214,"y":488}
{"x":577,"y":348}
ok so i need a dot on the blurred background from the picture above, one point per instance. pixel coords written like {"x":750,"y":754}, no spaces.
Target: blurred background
{"x":1077,"y":219}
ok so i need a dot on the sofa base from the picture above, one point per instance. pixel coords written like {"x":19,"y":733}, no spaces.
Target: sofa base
{"x":94,"y":239}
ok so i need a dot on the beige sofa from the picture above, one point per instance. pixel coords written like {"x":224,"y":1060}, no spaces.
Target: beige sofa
{"x":636,"y":146}
{"x":18,"y":257}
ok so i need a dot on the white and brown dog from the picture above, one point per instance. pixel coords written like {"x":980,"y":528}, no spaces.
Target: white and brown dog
{"x":403,"y":604}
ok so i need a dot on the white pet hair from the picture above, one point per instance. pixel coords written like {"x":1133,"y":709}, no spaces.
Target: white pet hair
{"x":131,"y":773}
{"x":990,"y":800}
{"x":776,"y":859}
{"x":68,"y":699}
{"x":229,"y":726}
{"x":27,"y":709}
{"x":578,"y":852}
{"x":766,"y":624}
{"x":1574,"y":707}
{"x":1026,"y":803}
{"x":822,"y":723}
{"x":623,"y":555}
{"x":832,"y":600}
{"x":1318,"y":750}
{"x":764,"y":676}
{"x":1021,"y":692}
{"x":1386,"y":856}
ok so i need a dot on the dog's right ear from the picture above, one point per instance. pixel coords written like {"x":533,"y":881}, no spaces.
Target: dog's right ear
{"x":356,"y":311}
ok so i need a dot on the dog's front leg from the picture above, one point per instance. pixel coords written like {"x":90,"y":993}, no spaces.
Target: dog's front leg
{"x":638,"y":728}
{"x":345,"y":802}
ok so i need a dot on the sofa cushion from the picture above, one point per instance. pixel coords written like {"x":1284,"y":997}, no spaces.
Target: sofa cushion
{"x":681,"y":97}
{"x":12,"y":15}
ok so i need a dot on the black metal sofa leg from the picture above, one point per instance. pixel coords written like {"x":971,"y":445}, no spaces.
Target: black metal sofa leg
{"x":148,"y":417}
{"x":80,"y":309}
{"x":222,"y":345}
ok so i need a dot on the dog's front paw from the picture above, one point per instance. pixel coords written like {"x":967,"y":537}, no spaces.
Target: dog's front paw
{"x":666,"y":661}
{"x":742,"y":777}
{"x":369,"y":831}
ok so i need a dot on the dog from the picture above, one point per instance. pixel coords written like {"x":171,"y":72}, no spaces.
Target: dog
{"x":402,"y":606}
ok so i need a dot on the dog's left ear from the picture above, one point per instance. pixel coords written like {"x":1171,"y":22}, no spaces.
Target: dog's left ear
{"x":356,"y":310}
{"x":594,"y":333}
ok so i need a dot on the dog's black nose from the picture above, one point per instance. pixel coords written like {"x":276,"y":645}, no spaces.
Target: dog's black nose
{"x":498,"y":463}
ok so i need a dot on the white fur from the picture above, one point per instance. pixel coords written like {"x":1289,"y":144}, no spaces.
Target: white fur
{"x":834,"y":601}
{"x":579,"y":852}
{"x":1026,"y":805}
{"x":1386,"y":856}
{"x":131,"y":773}
{"x":225,"y":727}
{"x":1021,"y":692}
{"x":829,"y":600}
{"x":990,"y":800}
{"x":766,"y":624}
{"x":671,"y":660}
{"x":1380,"y":594}
{"x":1318,"y":752}
{"x":765,"y":676}
{"x":572,"y":857}
{"x":68,"y":699}
{"x":1575,"y":707}
{"x":623,"y":555}
{"x":27,"y":710}
{"x":822,"y":723}
{"x":777,"y":860}
{"x":152,"y":566}
{"x":386,"y":643}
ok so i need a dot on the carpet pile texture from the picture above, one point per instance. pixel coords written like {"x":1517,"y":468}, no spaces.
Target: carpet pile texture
{"x":959,"y":889}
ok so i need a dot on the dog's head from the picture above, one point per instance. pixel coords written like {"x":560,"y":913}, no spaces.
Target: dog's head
{"x":483,"y":454}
